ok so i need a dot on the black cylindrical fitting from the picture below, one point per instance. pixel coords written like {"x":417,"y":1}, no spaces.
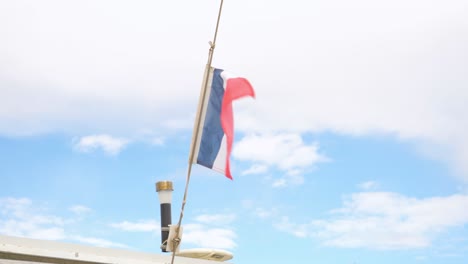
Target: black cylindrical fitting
{"x":166,"y":220}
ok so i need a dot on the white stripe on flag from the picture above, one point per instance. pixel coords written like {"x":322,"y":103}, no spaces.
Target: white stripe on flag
{"x":220,"y":161}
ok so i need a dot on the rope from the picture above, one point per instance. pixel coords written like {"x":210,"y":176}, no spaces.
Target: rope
{"x":176,"y":241}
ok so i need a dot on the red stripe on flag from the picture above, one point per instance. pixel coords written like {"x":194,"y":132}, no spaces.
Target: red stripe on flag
{"x":235,"y":88}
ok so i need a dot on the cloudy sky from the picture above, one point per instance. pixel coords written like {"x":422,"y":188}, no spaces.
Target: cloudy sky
{"x":355,"y":149}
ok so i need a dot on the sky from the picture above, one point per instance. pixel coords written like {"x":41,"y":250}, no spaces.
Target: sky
{"x":355,"y":149}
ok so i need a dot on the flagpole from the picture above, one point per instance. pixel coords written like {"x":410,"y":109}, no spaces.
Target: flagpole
{"x":204,"y":87}
{"x":176,"y":241}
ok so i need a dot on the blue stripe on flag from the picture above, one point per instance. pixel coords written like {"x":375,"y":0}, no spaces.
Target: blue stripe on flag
{"x":212,"y":134}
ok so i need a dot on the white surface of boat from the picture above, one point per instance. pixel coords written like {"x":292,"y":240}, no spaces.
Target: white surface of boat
{"x":16,"y":250}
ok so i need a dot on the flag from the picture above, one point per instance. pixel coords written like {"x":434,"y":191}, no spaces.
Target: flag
{"x":213,"y":145}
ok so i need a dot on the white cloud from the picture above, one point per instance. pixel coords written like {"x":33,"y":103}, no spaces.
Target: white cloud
{"x":368,"y":185}
{"x":216,"y":219}
{"x":258,"y":211}
{"x":279,"y":183}
{"x":80,"y":209}
{"x":203,"y":236}
{"x":404,"y":78}
{"x":384,"y":220}
{"x":265,"y":213}
{"x":52,"y":233}
{"x":21,"y":218}
{"x":139,"y":226}
{"x":127,"y":85}
{"x":108,"y":144}
{"x":295,"y":229}
{"x":211,"y":231}
{"x":157,"y":141}
{"x":255,"y":169}
{"x":99,"y":242}
{"x":287,"y":152}
{"x":293,"y":177}
{"x":183,"y":123}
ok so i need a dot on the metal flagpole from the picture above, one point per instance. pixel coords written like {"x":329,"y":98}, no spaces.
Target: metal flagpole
{"x":176,"y":241}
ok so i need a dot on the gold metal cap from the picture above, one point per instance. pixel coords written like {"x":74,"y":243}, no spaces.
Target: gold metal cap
{"x":164,"y":186}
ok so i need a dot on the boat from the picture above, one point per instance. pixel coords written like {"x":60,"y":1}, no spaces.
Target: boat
{"x":18,"y":250}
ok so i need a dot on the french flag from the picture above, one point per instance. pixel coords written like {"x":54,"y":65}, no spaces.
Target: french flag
{"x":214,"y":142}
